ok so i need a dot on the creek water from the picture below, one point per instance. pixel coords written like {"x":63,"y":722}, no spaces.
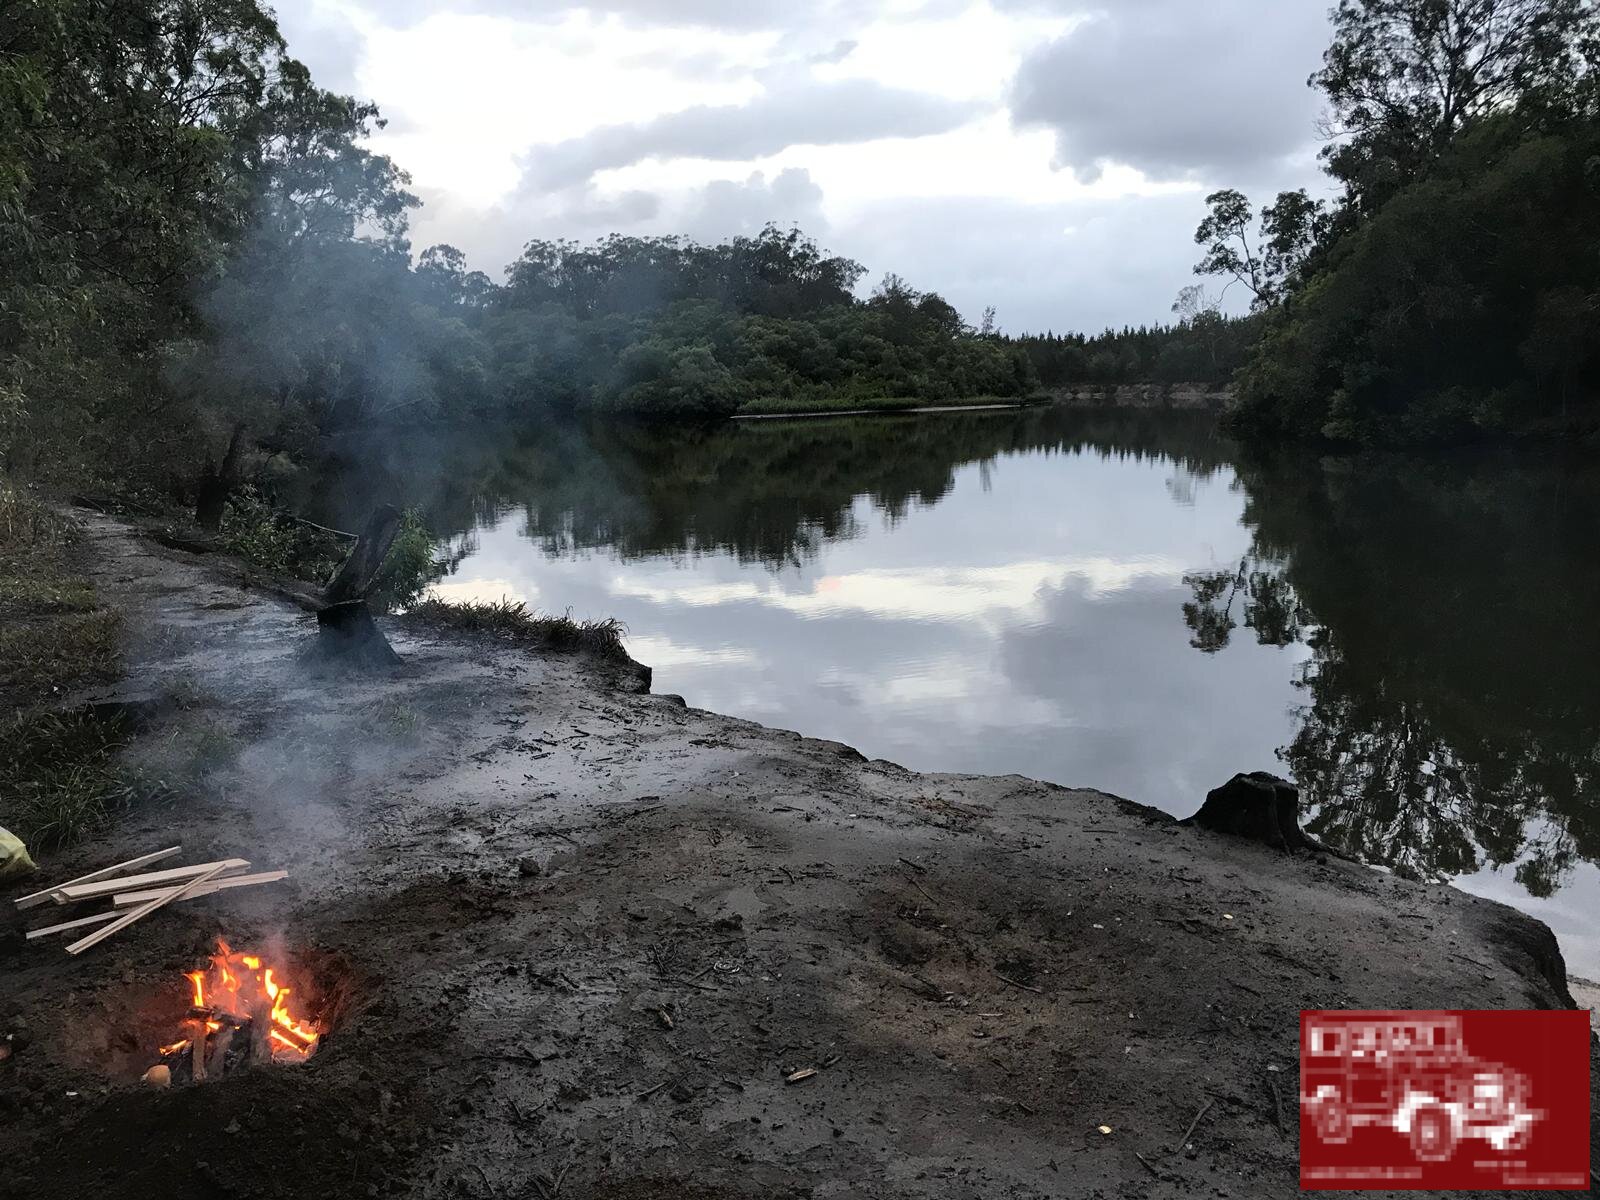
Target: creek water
{"x":1111,"y":599}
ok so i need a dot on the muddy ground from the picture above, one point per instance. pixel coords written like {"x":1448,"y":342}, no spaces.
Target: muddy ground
{"x":520,"y":870}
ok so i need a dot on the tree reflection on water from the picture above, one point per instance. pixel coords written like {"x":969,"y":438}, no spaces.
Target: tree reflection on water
{"x":1453,"y":705}
{"x":1451,"y":700}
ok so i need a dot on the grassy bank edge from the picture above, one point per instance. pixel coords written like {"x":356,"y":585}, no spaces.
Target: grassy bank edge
{"x":58,"y":776}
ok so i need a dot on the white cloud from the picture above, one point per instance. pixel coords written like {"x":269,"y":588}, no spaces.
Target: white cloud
{"x":1045,"y":156}
{"x":1178,"y":89}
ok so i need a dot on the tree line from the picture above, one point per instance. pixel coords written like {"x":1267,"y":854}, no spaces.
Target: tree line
{"x":1202,"y":346}
{"x":1450,"y":290}
{"x":203,"y":268}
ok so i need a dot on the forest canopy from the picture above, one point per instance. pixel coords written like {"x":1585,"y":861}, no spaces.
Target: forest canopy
{"x":202,"y":265}
{"x":1451,"y":290}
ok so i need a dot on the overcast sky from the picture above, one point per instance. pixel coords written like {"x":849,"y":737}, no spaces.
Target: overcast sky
{"x":1048,"y":157}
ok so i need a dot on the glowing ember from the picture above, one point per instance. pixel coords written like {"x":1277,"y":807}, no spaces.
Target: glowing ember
{"x":237,"y":991}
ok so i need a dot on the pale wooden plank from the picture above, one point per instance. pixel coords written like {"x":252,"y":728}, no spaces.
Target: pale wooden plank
{"x":36,"y":898}
{"x":97,"y":919}
{"x":124,"y":899}
{"x":71,"y":893}
{"x":138,"y":914}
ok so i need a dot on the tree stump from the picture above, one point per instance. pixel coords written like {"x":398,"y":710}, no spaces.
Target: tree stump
{"x":1259,"y":806}
{"x":347,"y":630}
{"x":356,"y":574}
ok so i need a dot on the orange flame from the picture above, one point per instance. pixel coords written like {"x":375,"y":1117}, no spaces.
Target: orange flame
{"x":238,"y":984}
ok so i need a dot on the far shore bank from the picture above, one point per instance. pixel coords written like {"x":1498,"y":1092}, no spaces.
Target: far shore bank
{"x":593,"y":926}
{"x":1188,"y":397}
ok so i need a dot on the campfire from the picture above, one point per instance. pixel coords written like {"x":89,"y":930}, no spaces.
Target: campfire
{"x":242,"y":1014}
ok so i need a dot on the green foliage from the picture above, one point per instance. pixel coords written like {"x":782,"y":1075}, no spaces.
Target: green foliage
{"x":256,"y":530}
{"x":198,"y":255}
{"x":1203,"y":347}
{"x":1468,"y":305}
{"x":58,"y":781}
{"x":666,"y":327}
{"x":52,"y":636}
{"x":1453,"y":293}
{"x":252,"y":530}
{"x":414,"y":565}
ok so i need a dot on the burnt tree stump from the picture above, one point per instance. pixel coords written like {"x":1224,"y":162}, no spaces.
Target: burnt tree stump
{"x":344,"y":622}
{"x":355,"y":575}
{"x":348,"y":632}
{"x":1259,"y":806}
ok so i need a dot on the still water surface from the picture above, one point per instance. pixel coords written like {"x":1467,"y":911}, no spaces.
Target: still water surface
{"x":1112,"y":600}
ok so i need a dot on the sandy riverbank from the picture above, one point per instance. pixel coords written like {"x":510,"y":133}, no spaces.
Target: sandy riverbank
{"x":517,"y":863}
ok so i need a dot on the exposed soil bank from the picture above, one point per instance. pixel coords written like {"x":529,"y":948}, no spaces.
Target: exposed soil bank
{"x":983,"y":970}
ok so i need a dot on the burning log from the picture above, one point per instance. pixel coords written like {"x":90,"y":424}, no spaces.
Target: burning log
{"x":261,"y":1030}
{"x":197,"y":1052}
{"x":239,"y":1017}
{"x":221,"y":1043}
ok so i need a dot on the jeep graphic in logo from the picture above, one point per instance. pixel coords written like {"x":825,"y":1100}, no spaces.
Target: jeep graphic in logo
{"x":1444,"y":1099}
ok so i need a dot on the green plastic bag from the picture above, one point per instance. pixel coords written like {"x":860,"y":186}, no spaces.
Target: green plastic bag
{"x":14,"y":858}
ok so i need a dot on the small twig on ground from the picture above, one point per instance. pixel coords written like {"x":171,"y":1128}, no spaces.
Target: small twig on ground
{"x":1277,"y":1104}
{"x":1017,"y":983}
{"x":493,"y":1191}
{"x":648,"y":1092}
{"x":1204,"y":1108}
{"x":1147,"y":1165}
{"x":562,"y":1174}
{"x":917,"y":867}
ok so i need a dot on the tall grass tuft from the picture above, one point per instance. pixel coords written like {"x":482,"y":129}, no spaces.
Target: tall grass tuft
{"x":512,"y":621}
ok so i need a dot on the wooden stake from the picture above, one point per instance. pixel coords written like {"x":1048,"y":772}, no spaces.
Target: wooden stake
{"x":97,"y":919}
{"x":73,"y":892}
{"x":124,"y":899}
{"x":37,"y":898}
{"x":138,"y":914}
